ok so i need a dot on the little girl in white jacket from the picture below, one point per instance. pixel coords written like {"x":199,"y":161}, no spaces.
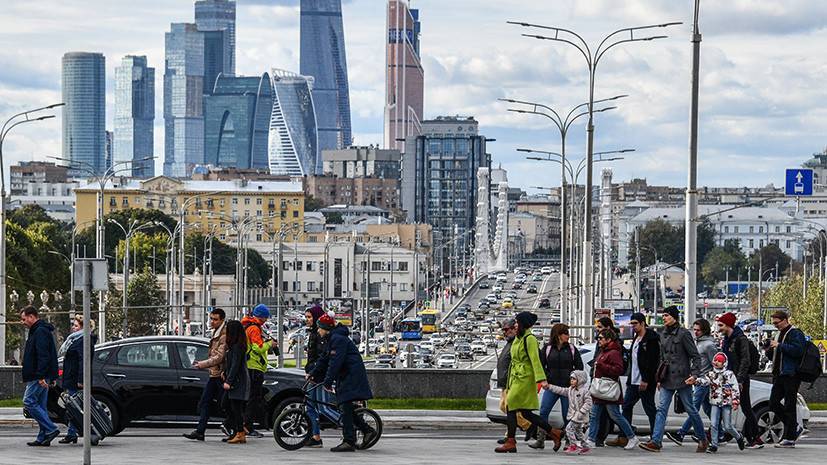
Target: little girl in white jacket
{"x":580,"y":406}
{"x":724,"y":396}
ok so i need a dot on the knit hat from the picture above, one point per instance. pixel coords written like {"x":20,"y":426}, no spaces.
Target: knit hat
{"x":728,"y":319}
{"x":316,"y":311}
{"x":526,"y":319}
{"x":672,"y":311}
{"x":720,"y":357}
{"x":326,"y":322}
{"x":261,"y":311}
{"x":639,"y":317}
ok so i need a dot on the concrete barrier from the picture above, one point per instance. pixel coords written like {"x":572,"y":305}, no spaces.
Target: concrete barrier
{"x":11,"y":382}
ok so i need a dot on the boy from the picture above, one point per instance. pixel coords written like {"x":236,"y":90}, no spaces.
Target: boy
{"x":724,"y":397}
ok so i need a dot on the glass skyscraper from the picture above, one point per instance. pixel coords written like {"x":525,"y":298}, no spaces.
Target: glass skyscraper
{"x":322,"y":57}
{"x":213,"y":58}
{"x":293,"y":145}
{"x":83,"y":86}
{"x":237,"y":122}
{"x":134,"y":115}
{"x":183,"y":99}
{"x":218,"y":15}
{"x":404,"y":76}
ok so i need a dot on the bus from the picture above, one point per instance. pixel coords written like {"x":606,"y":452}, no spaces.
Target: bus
{"x":430,"y":320}
{"x":411,"y":329}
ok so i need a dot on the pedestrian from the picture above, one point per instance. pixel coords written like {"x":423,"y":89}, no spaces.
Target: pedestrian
{"x":785,"y":352}
{"x":524,"y":374}
{"x":680,"y":360}
{"x":72,"y":380}
{"x":39,"y":372}
{"x":740,"y":352}
{"x":559,"y":358}
{"x":605,"y":421}
{"x":707,"y":349}
{"x":236,"y":380}
{"x":509,"y":329}
{"x":341,"y":364}
{"x":579,"y":411}
{"x":609,"y":366}
{"x":640,"y":383}
{"x":318,"y":396}
{"x":257,"y":350}
{"x":724,"y":397}
{"x":214,"y":389}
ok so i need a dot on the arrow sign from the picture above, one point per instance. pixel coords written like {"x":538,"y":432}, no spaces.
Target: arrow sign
{"x":799,"y":182}
{"x":798,"y":176}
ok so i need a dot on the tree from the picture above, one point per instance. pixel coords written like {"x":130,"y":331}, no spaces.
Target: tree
{"x":224,"y":259}
{"x":668,"y":241}
{"x":769,"y":256}
{"x":144,"y":250}
{"x":807,"y":313}
{"x":147,"y":312}
{"x":311,"y":204}
{"x":334,"y":218}
{"x":719,"y":259}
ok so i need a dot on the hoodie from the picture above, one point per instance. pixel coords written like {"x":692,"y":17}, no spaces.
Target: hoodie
{"x":40,"y":355}
{"x":580,"y":401}
{"x":707,"y":349}
{"x":723,"y":386}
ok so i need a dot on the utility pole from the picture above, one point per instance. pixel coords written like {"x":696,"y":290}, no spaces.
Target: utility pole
{"x":637,"y":267}
{"x":691,"y":231}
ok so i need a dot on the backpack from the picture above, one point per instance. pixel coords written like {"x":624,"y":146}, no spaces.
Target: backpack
{"x":754,"y":358}
{"x":810,"y":368}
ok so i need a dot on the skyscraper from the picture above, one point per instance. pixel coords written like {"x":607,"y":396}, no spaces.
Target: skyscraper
{"x":404,"y":76}
{"x":213,"y":58}
{"x":135,"y":115}
{"x":83,"y":85}
{"x":218,"y":15}
{"x":108,"y":147}
{"x":293,"y":146}
{"x":237,"y":122}
{"x":183,"y":99}
{"x":322,"y":57}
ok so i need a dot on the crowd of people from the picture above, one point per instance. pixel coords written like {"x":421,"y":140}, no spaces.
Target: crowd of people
{"x":689,"y":368}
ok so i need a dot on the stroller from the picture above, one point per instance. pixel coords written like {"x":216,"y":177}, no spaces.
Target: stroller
{"x":292,"y":428}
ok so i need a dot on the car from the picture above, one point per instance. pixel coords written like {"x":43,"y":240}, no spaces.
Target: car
{"x":386,"y":358}
{"x":546,"y":270}
{"x":544,"y":303}
{"x":489,"y":340}
{"x":507,"y":303}
{"x":520,"y":278}
{"x":382,"y":366}
{"x":460,"y":320}
{"x":484,"y":304}
{"x":531,"y":289}
{"x":517,"y":285}
{"x":479,"y":347}
{"x":426,"y":345}
{"x":422,"y":364}
{"x":484,"y":285}
{"x":446,"y":361}
{"x":537,"y":277}
{"x":502,"y":278}
{"x":438,"y":340}
{"x":492,"y":276}
{"x":464,"y":350}
{"x":497,"y":288}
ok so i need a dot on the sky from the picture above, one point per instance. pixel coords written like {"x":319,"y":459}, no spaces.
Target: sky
{"x":762,"y":89}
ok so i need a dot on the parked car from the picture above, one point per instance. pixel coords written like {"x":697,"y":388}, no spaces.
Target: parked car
{"x":447,"y":361}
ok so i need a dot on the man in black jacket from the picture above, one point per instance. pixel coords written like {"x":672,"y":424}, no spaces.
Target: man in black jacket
{"x":736,"y":347}
{"x":39,"y":371}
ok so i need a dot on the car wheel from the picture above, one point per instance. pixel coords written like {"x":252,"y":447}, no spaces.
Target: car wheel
{"x":111,"y":409}
{"x":770,"y":425}
{"x":290,"y":402}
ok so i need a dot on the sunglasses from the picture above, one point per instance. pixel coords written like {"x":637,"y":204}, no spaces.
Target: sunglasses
{"x":601,"y":338}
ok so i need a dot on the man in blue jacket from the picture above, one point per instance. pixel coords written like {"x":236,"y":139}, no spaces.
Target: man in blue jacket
{"x":342,"y":364}
{"x":39,"y":371}
{"x":786,"y":352}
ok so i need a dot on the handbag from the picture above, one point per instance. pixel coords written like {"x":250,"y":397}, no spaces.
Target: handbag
{"x":679,"y":407}
{"x":663,"y":368}
{"x":504,"y":401}
{"x":605,"y":389}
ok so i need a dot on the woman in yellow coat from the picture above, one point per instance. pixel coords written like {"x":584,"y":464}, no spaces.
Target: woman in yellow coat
{"x":523,"y":376}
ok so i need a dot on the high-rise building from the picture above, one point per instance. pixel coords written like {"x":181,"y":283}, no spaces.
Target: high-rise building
{"x":404,"y":76}
{"x":322,"y":56}
{"x":213,"y":58}
{"x":83,"y":86}
{"x":237,"y":121}
{"x":108,"y":149}
{"x":183,"y":99}
{"x":293,"y":145}
{"x":355,"y":162}
{"x":134,"y":115}
{"x":212,"y":16}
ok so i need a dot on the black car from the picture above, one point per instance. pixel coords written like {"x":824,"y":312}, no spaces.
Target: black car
{"x":485,"y":285}
{"x":386,"y":358}
{"x":464,"y":351}
{"x":545,"y":303}
{"x":151,"y":378}
{"x":532,"y":289}
{"x":483,"y":304}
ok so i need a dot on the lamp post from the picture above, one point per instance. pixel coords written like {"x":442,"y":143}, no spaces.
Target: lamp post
{"x":691,"y":224}
{"x":128,"y":231}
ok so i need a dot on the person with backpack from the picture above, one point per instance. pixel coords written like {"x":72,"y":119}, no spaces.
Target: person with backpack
{"x":786,"y":352}
{"x":257,"y":349}
{"x":39,"y":371}
{"x":724,"y":397}
{"x":743,"y":359}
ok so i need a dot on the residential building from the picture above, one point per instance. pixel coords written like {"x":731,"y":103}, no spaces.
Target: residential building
{"x":135,"y":115}
{"x":217,"y":17}
{"x":537,"y":233}
{"x":331,"y":190}
{"x":83,"y":88}
{"x":404,"y":76}
{"x":354,"y":162}
{"x":231,"y":173}
{"x":322,"y":57}
{"x":44,"y":184}
{"x":541,"y":205}
{"x":293,"y":145}
{"x":356,"y":214}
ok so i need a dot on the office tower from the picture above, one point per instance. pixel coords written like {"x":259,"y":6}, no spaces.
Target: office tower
{"x":108,"y":143}
{"x":237,"y":122}
{"x":213,"y":58}
{"x":293,"y":146}
{"x":83,"y":86}
{"x":404,"y":76}
{"x":322,"y":57}
{"x":135,"y":115}
{"x":217,"y":15}
{"x":183,"y":99}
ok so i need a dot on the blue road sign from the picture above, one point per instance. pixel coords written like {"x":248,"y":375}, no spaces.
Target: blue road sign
{"x":799,"y":182}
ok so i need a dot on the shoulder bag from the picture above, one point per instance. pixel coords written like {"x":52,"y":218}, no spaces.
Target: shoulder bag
{"x":605,"y":389}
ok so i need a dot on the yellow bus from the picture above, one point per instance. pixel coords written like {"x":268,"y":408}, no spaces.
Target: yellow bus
{"x":430,"y":320}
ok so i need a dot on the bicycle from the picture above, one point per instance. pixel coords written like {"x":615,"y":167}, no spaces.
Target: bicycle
{"x":292,"y":428}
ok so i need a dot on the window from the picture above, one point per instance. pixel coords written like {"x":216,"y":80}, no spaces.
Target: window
{"x":189,"y":353}
{"x":726,"y":229}
{"x":295,"y":213}
{"x":259,"y":201}
{"x":311,"y":286}
{"x":113,"y":202}
{"x":403,"y":287}
{"x":299,"y":265}
{"x":401,"y":266}
{"x":310,"y":266}
{"x":247,"y":201}
{"x":376,"y":266}
{"x":760,"y":229}
{"x":789,"y":229}
{"x":144,"y":355}
{"x":235,"y":200}
{"x":751,"y":244}
{"x":736,"y":229}
{"x":751,"y":229}
{"x":788,"y":244}
{"x":761,"y":243}
{"x":778,"y":229}
{"x":102,"y":355}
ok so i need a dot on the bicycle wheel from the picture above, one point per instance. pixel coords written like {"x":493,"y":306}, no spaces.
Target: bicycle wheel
{"x":373,"y":420}
{"x":291,"y":429}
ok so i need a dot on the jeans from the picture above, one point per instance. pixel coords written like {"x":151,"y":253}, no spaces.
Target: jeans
{"x":349,"y":420}
{"x":700,"y":399}
{"x":614,"y":414}
{"x":236,"y":418}
{"x":786,"y":388}
{"x":722,"y":415}
{"x":34,"y":401}
{"x":666,"y":395}
{"x":647,"y":398}
{"x":213,"y":390}
{"x":316,"y":406}
{"x":549,"y":399}
{"x":72,"y":431}
{"x":255,"y":406}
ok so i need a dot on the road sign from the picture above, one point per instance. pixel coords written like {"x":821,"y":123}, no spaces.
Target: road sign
{"x":799,"y":182}
{"x":96,"y":274}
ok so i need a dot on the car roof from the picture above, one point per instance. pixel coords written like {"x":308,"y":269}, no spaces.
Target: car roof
{"x":167,"y":338}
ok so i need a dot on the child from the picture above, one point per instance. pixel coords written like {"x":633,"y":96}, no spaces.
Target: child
{"x":580,"y":405}
{"x":724,"y":397}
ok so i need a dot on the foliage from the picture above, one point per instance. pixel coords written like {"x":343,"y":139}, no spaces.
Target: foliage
{"x":334,"y":218}
{"x":770,"y":255}
{"x":668,"y":241}
{"x":224,"y":259}
{"x":807,"y":313}
{"x":311,"y":204}
{"x":145,"y":250}
{"x":718,"y":259}
{"x":146,"y":314}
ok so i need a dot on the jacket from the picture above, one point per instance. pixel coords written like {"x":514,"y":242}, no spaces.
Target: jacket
{"x":315,"y":348}
{"x":648,"y":357}
{"x":580,"y":401}
{"x":257,"y":347}
{"x":785,"y":362}
{"x":503,"y":363}
{"x":723,"y":387}
{"x":609,"y":364}
{"x":558,"y":364}
{"x":73,"y":360}
{"x":236,"y":375}
{"x":679,"y":352}
{"x":40,"y":355}
{"x":707,"y":349}
{"x":524,"y":373}
{"x":736,"y":348}
{"x":216,"y":352}
{"x":341,"y":363}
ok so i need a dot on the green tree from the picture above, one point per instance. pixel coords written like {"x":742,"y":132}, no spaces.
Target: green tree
{"x":769,"y":256}
{"x":719,"y":259}
{"x":224,"y":259}
{"x":334,"y":218}
{"x":146,"y":313}
{"x":668,"y":240}
{"x":807,"y":313}
{"x":145,"y":250}
{"x":311,"y":204}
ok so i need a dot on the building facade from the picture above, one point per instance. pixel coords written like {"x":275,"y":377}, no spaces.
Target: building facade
{"x":333,"y":190}
{"x":404,"y":76}
{"x":216,"y":18}
{"x":133,"y":138}
{"x":83,"y":89}
{"x":322,"y":57}
{"x":43,"y":184}
{"x":538,"y":233}
{"x":354,"y":162}
{"x":293,"y":148}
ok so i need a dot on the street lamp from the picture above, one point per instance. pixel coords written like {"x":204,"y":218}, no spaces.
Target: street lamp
{"x":128,"y":231}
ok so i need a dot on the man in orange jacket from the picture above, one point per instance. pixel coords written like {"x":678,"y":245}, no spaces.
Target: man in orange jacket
{"x":257,"y":349}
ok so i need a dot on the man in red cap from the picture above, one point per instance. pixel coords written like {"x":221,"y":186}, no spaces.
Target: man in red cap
{"x":737,"y":348}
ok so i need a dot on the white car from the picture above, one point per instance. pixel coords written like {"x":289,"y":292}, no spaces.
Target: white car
{"x":497,"y":288}
{"x":489,"y":340}
{"x":438,"y":340}
{"x":427,"y":345}
{"x":502,"y":278}
{"x":546,"y":270}
{"x":449,"y":361}
{"x":478,"y":347}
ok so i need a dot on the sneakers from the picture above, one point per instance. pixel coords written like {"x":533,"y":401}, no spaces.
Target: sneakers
{"x":571,"y":449}
{"x":712,"y":449}
{"x":632,"y":443}
{"x":254,"y":434}
{"x":343,"y":447}
{"x":676,"y":437}
{"x":588,"y":444}
{"x":619,"y":442}
{"x":314,"y":443}
{"x":756,"y":444}
{"x":786,"y":444}
{"x":741,"y":442}
{"x":650,"y":446}
{"x":584,"y":451}
{"x":195,"y":435}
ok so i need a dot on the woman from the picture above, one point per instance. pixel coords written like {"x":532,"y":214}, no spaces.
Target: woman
{"x":605,"y":421}
{"x":525,"y":373}
{"x":236,"y":379}
{"x":315,"y":347}
{"x":72,"y":350}
{"x":609,"y":365}
{"x":559,"y":359}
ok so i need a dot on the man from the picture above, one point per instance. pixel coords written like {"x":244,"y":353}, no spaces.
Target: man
{"x":640,"y":384}
{"x":214,"y":389}
{"x":39,"y":371}
{"x":257,"y":349}
{"x":786,"y":352}
{"x":680,"y":363}
{"x":736,"y":347}
{"x":509,"y":329}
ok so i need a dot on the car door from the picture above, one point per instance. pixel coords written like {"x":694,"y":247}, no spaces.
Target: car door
{"x":191,"y":381}
{"x":143,"y":378}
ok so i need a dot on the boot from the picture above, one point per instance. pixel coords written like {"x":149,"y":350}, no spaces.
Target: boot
{"x":555,"y":435}
{"x":702,"y":447}
{"x":239,"y":438}
{"x":540,"y":443}
{"x":509,"y":446}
